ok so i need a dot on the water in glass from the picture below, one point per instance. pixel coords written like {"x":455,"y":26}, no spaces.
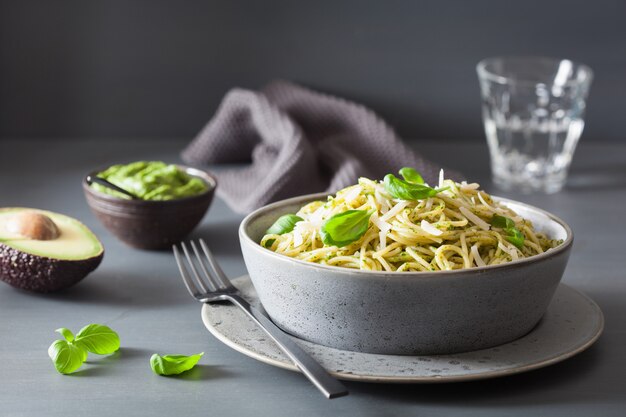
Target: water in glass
{"x":533,"y":111}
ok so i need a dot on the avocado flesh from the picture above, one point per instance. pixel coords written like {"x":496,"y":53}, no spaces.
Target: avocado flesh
{"x":47,"y":265}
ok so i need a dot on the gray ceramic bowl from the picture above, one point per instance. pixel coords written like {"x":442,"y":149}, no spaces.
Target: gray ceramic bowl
{"x":151,"y":224}
{"x":405,"y":313}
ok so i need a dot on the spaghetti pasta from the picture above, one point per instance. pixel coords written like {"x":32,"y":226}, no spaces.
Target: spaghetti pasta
{"x":452,"y":229}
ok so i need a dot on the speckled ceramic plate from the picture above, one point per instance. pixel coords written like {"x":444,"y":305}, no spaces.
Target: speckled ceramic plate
{"x":572,"y":323}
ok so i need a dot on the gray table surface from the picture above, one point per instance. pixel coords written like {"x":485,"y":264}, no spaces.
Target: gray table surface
{"x":139,"y":294}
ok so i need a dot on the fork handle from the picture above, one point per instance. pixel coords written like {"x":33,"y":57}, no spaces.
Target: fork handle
{"x":329,"y":386}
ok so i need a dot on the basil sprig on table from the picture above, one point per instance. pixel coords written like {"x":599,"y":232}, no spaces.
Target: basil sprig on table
{"x":98,"y":339}
{"x":411,"y":188}
{"x":69,"y":354}
{"x":345,"y":228}
{"x":66,"y":356}
{"x":173,"y":364}
{"x":513,"y":234}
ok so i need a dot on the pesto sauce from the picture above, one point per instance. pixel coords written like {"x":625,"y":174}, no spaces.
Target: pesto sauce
{"x":151,"y":180}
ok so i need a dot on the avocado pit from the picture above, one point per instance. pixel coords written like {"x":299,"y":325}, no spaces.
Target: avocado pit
{"x":33,"y":225}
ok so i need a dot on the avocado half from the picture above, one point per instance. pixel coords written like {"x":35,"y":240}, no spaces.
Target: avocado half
{"x":43,"y":251}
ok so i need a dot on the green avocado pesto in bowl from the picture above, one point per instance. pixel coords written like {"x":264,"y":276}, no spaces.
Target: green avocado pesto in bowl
{"x":172,"y":199}
{"x":151,"y":180}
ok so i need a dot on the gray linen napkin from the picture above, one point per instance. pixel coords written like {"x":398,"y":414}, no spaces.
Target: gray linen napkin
{"x":295,"y":141}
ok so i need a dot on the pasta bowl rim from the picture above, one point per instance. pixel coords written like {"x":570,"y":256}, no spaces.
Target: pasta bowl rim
{"x":245,"y":238}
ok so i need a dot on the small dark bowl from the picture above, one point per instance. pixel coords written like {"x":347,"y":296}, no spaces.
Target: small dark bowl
{"x":151,"y":224}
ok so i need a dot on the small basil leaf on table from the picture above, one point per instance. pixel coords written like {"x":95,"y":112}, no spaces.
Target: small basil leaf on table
{"x":66,"y":356}
{"x":513,"y":234}
{"x":404,"y":190}
{"x":284,"y":224}
{"x":345,"y":228}
{"x":66,"y":333}
{"x":173,"y":364}
{"x":98,"y":338}
{"x":69,"y":354}
{"x":411,"y":175}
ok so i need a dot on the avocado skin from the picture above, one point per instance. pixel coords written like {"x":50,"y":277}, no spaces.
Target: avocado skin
{"x":40,"y":274}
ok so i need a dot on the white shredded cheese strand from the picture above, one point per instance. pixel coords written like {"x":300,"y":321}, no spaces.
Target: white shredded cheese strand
{"x":479,"y":261}
{"x":468,"y":187}
{"x":317,"y":216}
{"x":297,"y":238}
{"x":376,"y":221}
{"x":394,"y":210}
{"x":510,"y":251}
{"x":301,"y":229}
{"x":474,"y":218}
{"x":382,"y":237}
{"x":430,"y":229}
{"x":440,"y":178}
{"x":382,"y":201}
{"x":351,"y":195}
{"x":384,"y":227}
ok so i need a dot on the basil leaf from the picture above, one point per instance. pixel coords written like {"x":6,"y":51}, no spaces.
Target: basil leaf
{"x":66,"y":356}
{"x":407,"y":190}
{"x":284,"y":224}
{"x":345,"y":228}
{"x":502,"y":222}
{"x":98,"y":338}
{"x":411,"y":175}
{"x":515,"y":237}
{"x":513,"y":234}
{"x":173,"y":364}
{"x":66,"y":333}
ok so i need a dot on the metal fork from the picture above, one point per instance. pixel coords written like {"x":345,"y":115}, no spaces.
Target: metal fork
{"x":212,"y":285}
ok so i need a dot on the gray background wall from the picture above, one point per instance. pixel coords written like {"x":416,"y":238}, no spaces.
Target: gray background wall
{"x":158,"y":68}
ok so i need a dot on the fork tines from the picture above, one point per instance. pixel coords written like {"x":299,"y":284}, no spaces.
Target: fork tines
{"x":205,"y":271}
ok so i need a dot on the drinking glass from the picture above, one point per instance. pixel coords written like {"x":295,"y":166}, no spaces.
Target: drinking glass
{"x":533,"y":109}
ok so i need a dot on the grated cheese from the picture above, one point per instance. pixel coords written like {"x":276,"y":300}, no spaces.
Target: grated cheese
{"x":479,"y":261}
{"x":384,"y":227}
{"x":430,"y":229}
{"x":474,"y":218}
{"x":467,"y":187}
{"x":395,"y":210}
{"x":511,"y":251}
{"x":352,"y":194}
